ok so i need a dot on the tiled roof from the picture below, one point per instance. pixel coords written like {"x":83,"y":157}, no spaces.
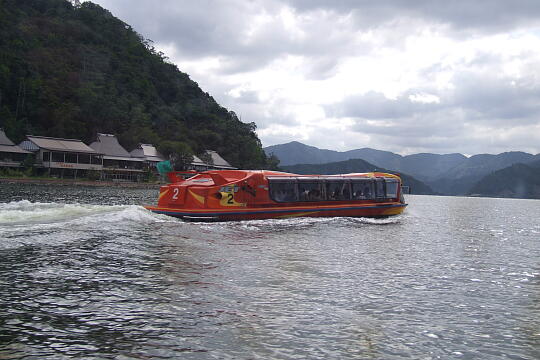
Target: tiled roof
{"x":108,"y":145}
{"x":218,"y":160}
{"x":148,"y":152}
{"x":8,"y":146}
{"x":13,"y":149}
{"x":70,"y":145}
{"x":4,"y":140}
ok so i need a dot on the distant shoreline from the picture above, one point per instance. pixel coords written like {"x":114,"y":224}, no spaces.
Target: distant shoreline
{"x":73,"y":182}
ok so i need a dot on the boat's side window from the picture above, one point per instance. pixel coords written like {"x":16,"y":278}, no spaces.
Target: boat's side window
{"x":363,"y":189}
{"x":283,"y":191}
{"x":392,"y":188}
{"x":337,"y":190}
{"x":310,"y":191}
{"x":380,"y":188}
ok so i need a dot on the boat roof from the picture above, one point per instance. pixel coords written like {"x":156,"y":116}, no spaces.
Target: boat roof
{"x":330,"y":177}
{"x":206,"y":179}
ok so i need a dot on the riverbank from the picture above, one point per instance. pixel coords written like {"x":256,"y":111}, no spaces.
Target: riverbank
{"x":75,"y":182}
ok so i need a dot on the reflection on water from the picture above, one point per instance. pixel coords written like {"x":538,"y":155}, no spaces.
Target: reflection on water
{"x":84,"y":278}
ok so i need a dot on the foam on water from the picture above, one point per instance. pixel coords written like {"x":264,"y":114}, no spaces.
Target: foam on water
{"x":24,"y":222}
{"x":300,"y":222}
{"x":27,"y":213}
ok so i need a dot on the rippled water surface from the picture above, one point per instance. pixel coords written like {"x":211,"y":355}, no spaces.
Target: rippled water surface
{"x":88,"y":273}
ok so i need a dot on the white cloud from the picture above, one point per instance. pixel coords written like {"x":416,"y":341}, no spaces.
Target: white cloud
{"x":431,"y":76}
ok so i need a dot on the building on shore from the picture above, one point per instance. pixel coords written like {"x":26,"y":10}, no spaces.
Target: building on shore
{"x":63,"y":157}
{"x":216,"y":162}
{"x":118,"y":164}
{"x":149,"y":154}
{"x":11,"y":155}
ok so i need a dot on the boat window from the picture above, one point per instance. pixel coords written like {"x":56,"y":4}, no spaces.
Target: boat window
{"x":283,"y":191}
{"x":310,"y":190}
{"x":363,"y":189}
{"x":380,"y":188}
{"x":392,"y":188}
{"x":337,"y":190}
{"x":295,"y":189}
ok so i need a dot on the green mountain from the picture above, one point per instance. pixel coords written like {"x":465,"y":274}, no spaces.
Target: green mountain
{"x":71,"y":72}
{"x":355,"y":166}
{"x":516,"y":181}
{"x":460,"y":179}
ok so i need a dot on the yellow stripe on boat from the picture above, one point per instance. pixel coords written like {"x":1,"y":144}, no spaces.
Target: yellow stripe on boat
{"x":393,"y":211}
{"x":163,"y":194}
{"x":199,"y":198}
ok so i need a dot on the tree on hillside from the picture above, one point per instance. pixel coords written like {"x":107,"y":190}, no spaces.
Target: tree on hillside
{"x":179,"y":154}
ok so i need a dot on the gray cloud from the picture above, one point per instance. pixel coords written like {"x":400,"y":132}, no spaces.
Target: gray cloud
{"x":478,"y":101}
{"x":222,"y":28}
{"x":374,"y":105}
{"x":225,"y":29}
{"x":479,"y":15}
{"x":497,"y":100}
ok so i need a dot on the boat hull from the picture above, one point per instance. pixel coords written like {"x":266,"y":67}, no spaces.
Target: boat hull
{"x":348,"y":210}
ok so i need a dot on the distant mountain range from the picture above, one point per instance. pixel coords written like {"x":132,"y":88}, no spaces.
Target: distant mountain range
{"x":448,"y":174}
{"x":516,"y":181}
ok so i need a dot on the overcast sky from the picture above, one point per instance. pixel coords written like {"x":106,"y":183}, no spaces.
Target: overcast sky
{"x":404,"y":76}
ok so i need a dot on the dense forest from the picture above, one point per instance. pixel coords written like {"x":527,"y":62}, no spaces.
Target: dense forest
{"x":71,"y":72}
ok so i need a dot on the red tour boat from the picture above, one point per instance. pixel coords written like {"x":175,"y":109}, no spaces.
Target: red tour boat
{"x":258,"y":194}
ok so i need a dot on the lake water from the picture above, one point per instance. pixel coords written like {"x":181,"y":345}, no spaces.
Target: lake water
{"x":88,"y":273}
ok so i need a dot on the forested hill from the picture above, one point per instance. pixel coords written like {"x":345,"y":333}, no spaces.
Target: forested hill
{"x":74,"y":71}
{"x":516,"y":181}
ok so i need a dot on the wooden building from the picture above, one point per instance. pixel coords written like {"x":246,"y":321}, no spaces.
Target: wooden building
{"x":216,"y":162}
{"x":118,"y":164}
{"x":63,"y":157}
{"x":11,"y":155}
{"x":149,"y":154}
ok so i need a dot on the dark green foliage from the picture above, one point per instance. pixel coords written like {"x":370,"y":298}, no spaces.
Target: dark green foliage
{"x":356,"y":166}
{"x":273,"y":162}
{"x":72,"y":72}
{"x":28,"y":163}
{"x":180,"y":154}
{"x":206,"y":158}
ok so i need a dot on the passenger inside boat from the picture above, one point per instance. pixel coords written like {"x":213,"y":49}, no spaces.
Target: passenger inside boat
{"x":337,"y":190}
